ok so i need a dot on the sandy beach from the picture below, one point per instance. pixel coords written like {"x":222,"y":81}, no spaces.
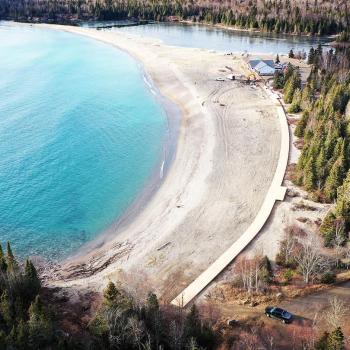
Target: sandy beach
{"x":226,"y":157}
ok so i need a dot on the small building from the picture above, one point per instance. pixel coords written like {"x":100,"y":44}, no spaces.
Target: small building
{"x":262,"y":67}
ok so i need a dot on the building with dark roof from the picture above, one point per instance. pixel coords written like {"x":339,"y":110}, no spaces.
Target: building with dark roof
{"x":262,"y":67}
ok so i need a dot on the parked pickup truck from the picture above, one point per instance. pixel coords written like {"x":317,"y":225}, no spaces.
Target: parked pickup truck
{"x":279,"y":314}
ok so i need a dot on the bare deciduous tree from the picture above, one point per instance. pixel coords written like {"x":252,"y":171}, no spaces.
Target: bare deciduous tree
{"x":117,"y":329}
{"x":339,"y":239}
{"x":123,"y":329}
{"x":310,"y":260}
{"x":209,"y":311}
{"x":248,"y":272}
{"x":193,"y":345}
{"x":249,"y":341}
{"x":335,"y":314}
{"x":136,"y":331}
{"x":347,"y":254}
{"x":147,"y":345}
{"x":289,"y":244}
{"x":176,"y":335}
{"x":302,"y":337}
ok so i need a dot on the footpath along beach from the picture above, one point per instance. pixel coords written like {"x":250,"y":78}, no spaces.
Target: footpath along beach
{"x":226,"y":158}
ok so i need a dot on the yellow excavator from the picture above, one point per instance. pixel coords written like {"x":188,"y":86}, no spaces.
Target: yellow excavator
{"x":251,"y":77}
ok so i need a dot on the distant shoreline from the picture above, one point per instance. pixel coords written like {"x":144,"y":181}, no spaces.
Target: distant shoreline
{"x":256,"y":31}
{"x":77,"y":22}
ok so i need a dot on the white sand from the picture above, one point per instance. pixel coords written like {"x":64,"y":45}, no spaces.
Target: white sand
{"x":226,"y":157}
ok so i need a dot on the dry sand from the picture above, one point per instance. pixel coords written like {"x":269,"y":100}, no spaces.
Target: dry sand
{"x":227,"y":153}
{"x":296,"y":211}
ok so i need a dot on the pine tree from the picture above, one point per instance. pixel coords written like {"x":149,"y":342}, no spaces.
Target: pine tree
{"x":3,"y":264}
{"x":321,"y":163}
{"x":313,"y":80}
{"x":342,"y":209}
{"x":12,"y":264}
{"x":18,"y":308}
{"x":32,"y":279}
{"x":11,"y":338}
{"x":318,"y":56}
{"x":337,"y":150}
{"x":266,"y":269}
{"x":340,"y":98}
{"x":36,"y":308}
{"x":193,"y":324}
{"x":336,"y":340}
{"x":327,"y":228}
{"x":289,"y":71}
{"x":293,"y":83}
{"x":114,"y":298}
{"x":277,"y":61}
{"x":342,"y":161}
{"x":310,"y":175}
{"x":301,"y":126}
{"x":334,"y":180}
{"x":152,"y":303}
{"x":331,"y":141}
{"x":6,"y":309}
{"x":3,"y":342}
{"x":288,"y":91}
{"x":311,"y":56}
{"x":154,"y":319}
{"x":111,"y":294}
{"x":22,"y":335}
{"x":296,"y":102}
{"x":200,"y":332}
{"x":308,"y":135}
{"x":322,"y":343}
{"x":40,"y":326}
{"x":306,"y":97}
{"x":278,"y":80}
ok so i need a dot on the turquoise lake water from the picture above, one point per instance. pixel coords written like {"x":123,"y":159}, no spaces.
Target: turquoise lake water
{"x":80,"y":135}
{"x":81,"y":132}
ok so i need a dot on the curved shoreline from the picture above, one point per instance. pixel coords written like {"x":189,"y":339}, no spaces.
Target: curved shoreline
{"x":226,"y":156}
{"x":153,"y":181}
{"x":90,"y":249}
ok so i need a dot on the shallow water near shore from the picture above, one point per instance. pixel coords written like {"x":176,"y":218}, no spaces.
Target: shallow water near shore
{"x":81,"y":134}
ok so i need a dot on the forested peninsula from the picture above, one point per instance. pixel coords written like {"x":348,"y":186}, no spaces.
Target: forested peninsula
{"x":314,"y":17}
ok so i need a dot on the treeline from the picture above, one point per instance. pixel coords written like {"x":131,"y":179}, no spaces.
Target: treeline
{"x":29,"y":319}
{"x":325,"y":159}
{"x":121,"y":323}
{"x":310,"y":17}
{"x":25,"y":323}
{"x":324,"y":127}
